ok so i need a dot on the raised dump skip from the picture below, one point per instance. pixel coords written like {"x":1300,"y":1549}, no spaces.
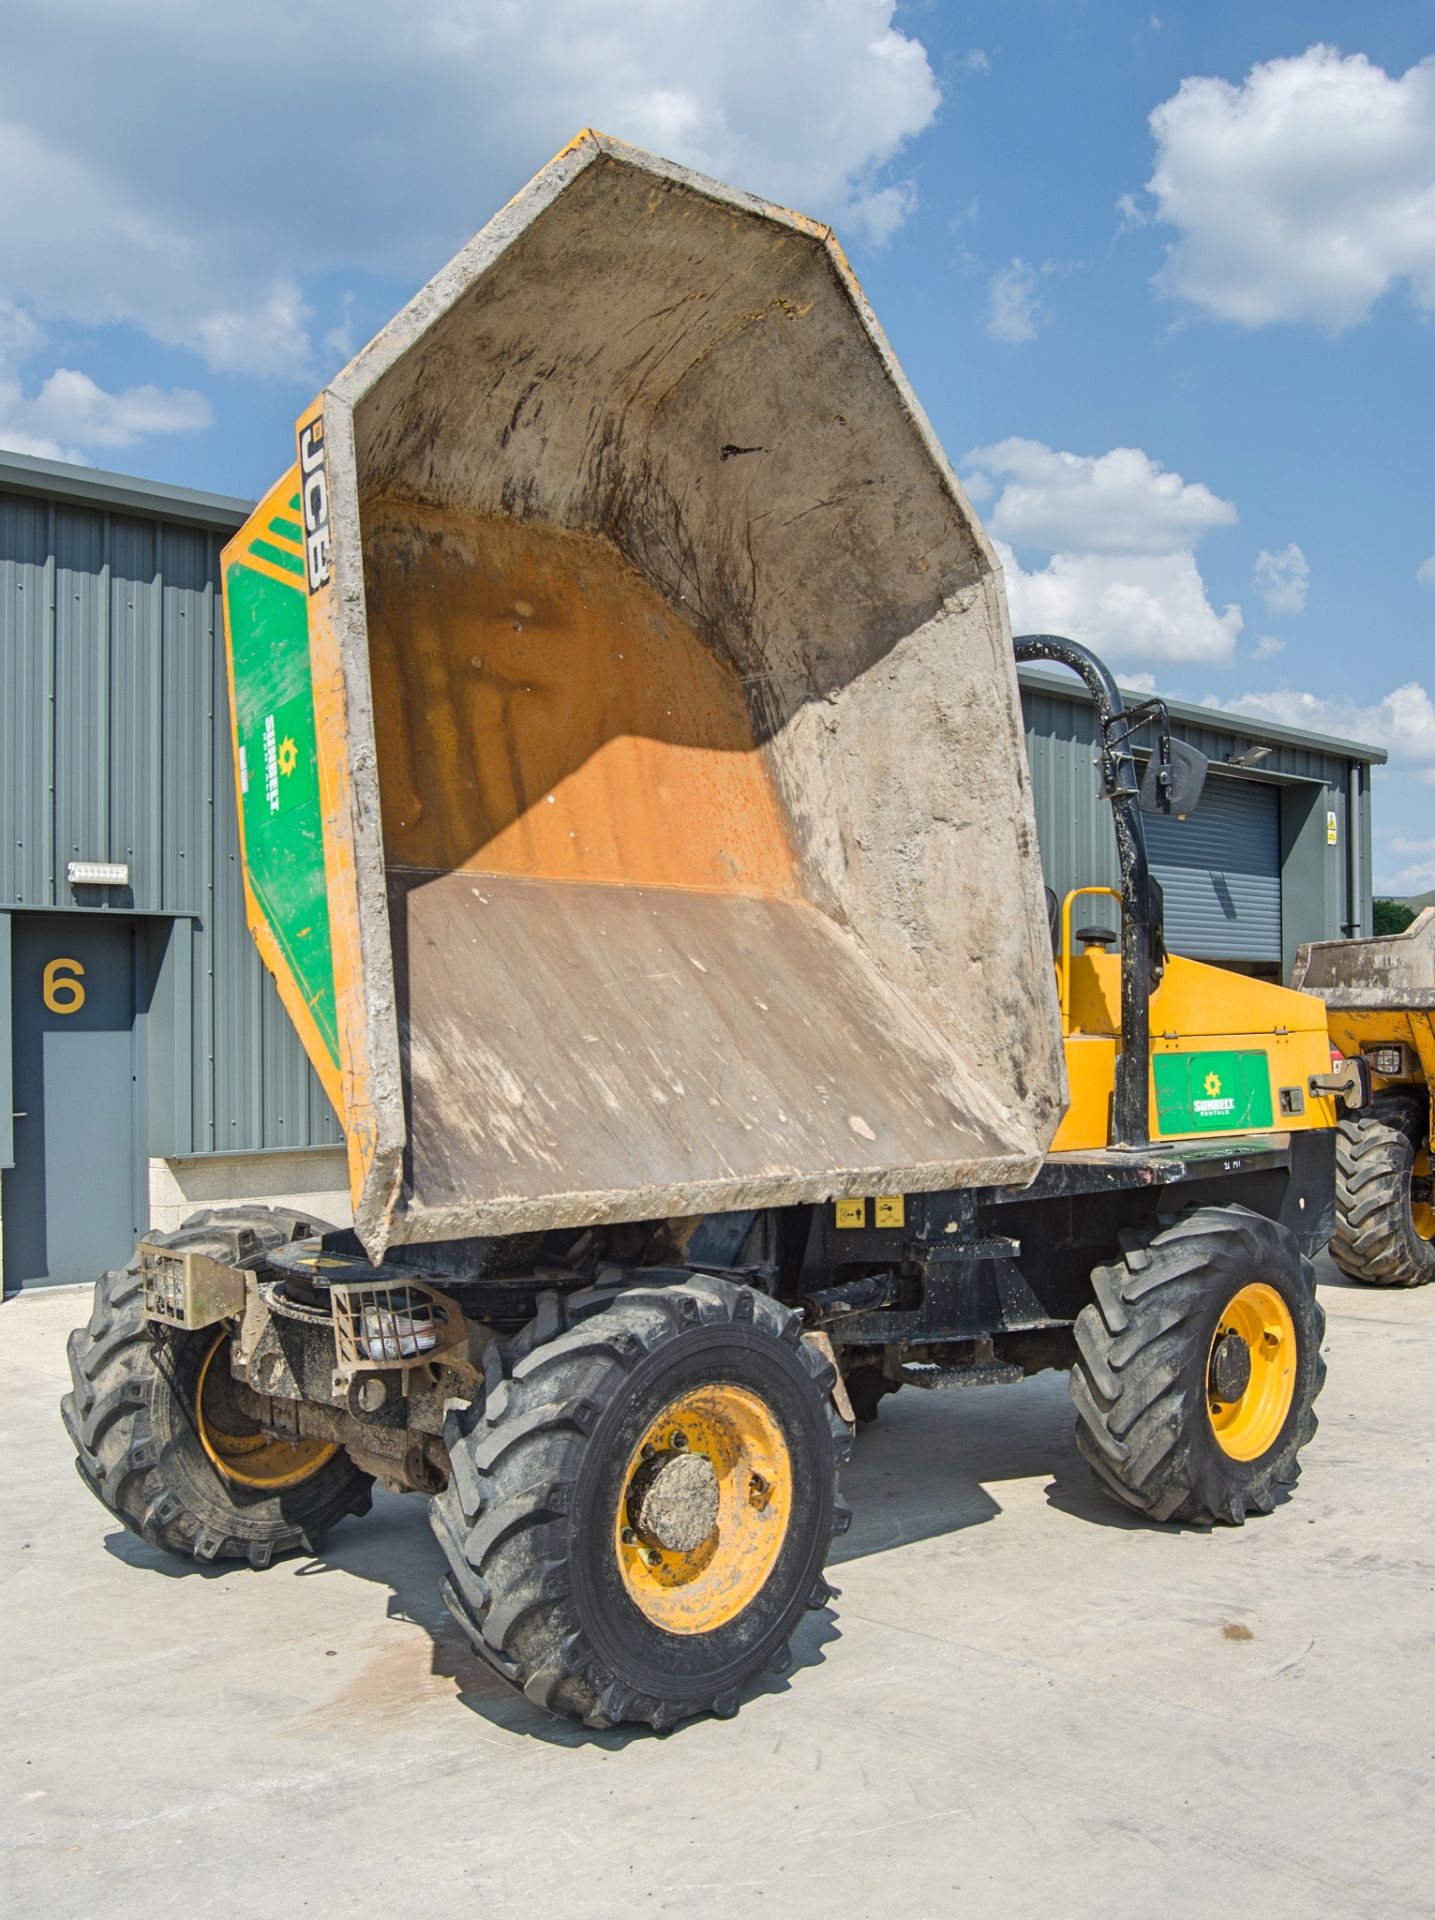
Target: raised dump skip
{"x":677,"y":844}
{"x":1391,"y":974}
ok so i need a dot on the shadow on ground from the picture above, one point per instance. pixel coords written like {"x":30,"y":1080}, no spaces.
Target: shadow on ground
{"x":930,"y":1466}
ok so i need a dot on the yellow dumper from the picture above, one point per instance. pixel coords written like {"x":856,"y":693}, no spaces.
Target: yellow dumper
{"x":635,"y":817}
{"x":1380,"y":999}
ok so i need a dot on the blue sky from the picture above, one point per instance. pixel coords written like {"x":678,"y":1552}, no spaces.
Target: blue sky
{"x":1164,"y":281}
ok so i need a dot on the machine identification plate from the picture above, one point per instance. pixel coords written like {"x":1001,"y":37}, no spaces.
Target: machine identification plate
{"x":1217,"y":1092}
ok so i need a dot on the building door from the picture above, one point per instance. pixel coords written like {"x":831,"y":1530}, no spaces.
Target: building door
{"x":71,"y":1204}
{"x":1220,"y":870}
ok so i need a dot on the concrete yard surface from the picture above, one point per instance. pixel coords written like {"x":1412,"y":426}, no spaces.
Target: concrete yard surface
{"x":1025,"y":1702}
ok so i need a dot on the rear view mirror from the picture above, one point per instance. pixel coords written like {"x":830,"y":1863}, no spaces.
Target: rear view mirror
{"x":1174,"y":789}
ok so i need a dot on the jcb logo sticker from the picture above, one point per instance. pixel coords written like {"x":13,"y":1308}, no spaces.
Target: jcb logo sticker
{"x":314,"y":490}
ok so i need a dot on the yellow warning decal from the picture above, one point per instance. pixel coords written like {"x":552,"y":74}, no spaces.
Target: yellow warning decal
{"x":851,"y":1213}
{"x":891,"y":1210}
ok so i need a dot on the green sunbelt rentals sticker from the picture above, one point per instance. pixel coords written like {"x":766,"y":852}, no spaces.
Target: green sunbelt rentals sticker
{"x":279,"y":780}
{"x":276,"y":762}
{"x":1211,"y":1092}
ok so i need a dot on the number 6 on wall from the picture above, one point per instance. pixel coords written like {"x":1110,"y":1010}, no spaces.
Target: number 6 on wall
{"x":61,"y":986}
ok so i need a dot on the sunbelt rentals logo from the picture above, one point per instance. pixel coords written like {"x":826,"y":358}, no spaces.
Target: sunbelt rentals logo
{"x":1216,"y":1105}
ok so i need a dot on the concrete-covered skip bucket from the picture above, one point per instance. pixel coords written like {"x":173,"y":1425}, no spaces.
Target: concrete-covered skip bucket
{"x":1388,"y":974}
{"x":634,"y":802}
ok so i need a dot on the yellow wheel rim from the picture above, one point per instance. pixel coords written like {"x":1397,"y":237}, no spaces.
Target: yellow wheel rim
{"x":705,"y":1505}
{"x":250,"y":1459}
{"x":1422,"y":1213}
{"x":1248,"y":1422}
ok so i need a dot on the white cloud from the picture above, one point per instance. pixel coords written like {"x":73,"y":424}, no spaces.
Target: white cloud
{"x":1282,"y":579}
{"x":1014,"y":306}
{"x":1139,"y":606}
{"x":1016,"y":311}
{"x":1119,"y":532}
{"x":338,"y":344}
{"x":216,"y":237}
{"x":1403,"y":722}
{"x":71,"y":407}
{"x":1425,"y":572}
{"x":1131,"y":216}
{"x":1418,"y":874}
{"x":1418,"y":878}
{"x":1118,"y":502}
{"x":1305,"y":193}
{"x":70,"y":415}
{"x":1267,"y":646}
{"x":880,"y":213}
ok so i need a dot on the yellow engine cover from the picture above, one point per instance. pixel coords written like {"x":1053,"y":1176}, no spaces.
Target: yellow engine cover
{"x":1229,"y":1055}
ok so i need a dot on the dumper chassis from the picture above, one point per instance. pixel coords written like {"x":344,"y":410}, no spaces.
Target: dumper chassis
{"x":586,"y":1418}
{"x":630,"y":1436}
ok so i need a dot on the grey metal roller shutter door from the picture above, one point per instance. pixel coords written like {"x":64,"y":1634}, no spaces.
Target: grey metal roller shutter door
{"x":1220,"y":870}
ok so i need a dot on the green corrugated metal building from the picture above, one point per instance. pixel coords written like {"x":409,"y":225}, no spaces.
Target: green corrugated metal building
{"x":146,"y":1066}
{"x":1278,"y":851}
{"x":178,"y":1079}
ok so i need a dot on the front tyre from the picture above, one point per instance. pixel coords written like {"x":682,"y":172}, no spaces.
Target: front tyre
{"x":639,"y":1513}
{"x":1384,"y":1204}
{"x":1198,"y":1363}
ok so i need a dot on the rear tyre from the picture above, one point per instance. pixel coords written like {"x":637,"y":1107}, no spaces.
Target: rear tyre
{"x":639,"y":1512}
{"x":1384,"y":1208}
{"x":1198,"y":1363}
{"x":163,"y":1440}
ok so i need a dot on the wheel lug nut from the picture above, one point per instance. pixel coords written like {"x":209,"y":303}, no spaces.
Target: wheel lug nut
{"x":653,"y":1557}
{"x":680,"y":1440}
{"x":628,"y":1537}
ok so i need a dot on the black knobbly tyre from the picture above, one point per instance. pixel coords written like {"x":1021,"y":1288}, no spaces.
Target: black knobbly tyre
{"x":161,"y":1436}
{"x":1197,"y":1367}
{"x":1384,"y":1208}
{"x":640,"y":1510}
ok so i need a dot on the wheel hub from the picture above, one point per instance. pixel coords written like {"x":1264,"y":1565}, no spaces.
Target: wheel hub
{"x":704,"y":1508}
{"x":1251,"y":1371}
{"x":673,"y":1501}
{"x":1422,"y":1194}
{"x":1230,"y":1366}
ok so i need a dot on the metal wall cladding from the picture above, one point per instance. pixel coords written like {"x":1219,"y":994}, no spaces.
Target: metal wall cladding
{"x":114,"y":745}
{"x":1074,"y":825}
